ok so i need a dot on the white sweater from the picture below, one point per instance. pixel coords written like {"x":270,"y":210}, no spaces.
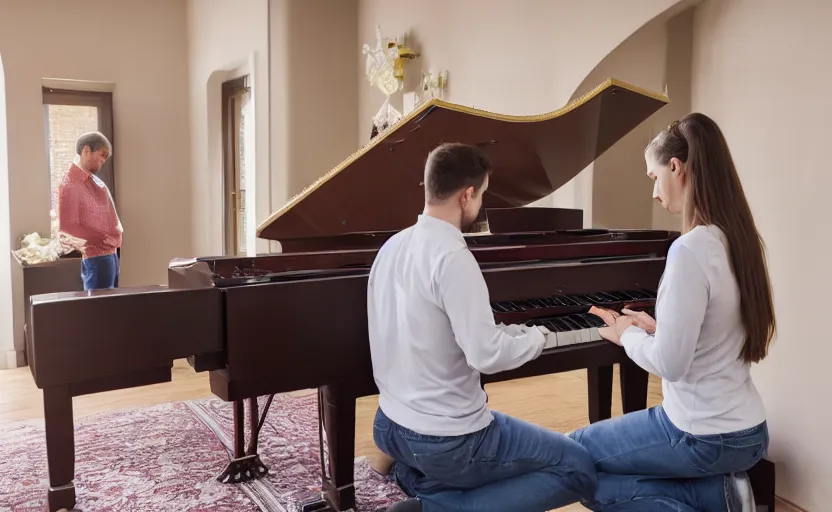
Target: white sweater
{"x":432,"y":331}
{"x":699,"y":335}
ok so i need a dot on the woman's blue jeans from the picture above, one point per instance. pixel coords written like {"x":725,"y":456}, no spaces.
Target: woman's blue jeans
{"x":645,"y":463}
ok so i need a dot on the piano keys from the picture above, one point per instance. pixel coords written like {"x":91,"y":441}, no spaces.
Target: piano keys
{"x":297,"y":320}
{"x":565,"y":318}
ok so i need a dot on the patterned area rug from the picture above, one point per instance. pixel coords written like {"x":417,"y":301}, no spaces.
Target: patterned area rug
{"x":167,"y":458}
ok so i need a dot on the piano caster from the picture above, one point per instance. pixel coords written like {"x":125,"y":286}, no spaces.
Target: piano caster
{"x":315,"y":506}
{"x":60,"y":498}
{"x":244,"y":469}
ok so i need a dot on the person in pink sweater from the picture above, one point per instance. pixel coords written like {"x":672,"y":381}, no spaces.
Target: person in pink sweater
{"x":87,"y":218}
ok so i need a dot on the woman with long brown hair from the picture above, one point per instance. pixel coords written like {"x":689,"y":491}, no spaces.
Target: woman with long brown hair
{"x":714,"y":318}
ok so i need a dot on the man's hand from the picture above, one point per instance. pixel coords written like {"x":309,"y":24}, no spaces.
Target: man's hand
{"x":641,"y":320}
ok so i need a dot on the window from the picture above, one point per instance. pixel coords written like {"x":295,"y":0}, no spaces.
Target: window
{"x":68,"y":114}
{"x":238,"y":170}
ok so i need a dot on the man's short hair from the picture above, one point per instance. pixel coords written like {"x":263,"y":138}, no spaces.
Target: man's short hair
{"x":95,"y":140}
{"x":452,"y":167}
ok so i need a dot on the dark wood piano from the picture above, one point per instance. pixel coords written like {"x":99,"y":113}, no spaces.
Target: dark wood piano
{"x":297,"y":320}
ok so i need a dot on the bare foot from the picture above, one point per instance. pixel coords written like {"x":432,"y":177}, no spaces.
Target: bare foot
{"x":381,"y":464}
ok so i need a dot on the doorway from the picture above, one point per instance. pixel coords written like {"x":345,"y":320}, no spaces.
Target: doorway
{"x":236,"y":110}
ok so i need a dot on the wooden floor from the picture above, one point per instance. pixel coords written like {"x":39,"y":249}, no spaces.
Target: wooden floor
{"x":556,"y":401}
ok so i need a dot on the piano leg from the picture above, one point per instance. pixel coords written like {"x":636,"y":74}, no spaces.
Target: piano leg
{"x":246,"y":465}
{"x":599,"y":382}
{"x":60,"y":448}
{"x":633,"y":387}
{"x":762,"y":483}
{"x":337,"y":410}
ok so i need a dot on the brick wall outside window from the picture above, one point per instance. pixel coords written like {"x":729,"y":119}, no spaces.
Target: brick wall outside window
{"x":66,"y":124}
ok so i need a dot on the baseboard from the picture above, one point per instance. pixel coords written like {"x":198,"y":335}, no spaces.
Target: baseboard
{"x":787,"y":503}
{"x":8,"y":359}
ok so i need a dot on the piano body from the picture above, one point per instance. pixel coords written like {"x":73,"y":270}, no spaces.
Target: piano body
{"x":297,"y":320}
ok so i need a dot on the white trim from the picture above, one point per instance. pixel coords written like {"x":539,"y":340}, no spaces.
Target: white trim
{"x":10,"y":361}
{"x":78,"y":85}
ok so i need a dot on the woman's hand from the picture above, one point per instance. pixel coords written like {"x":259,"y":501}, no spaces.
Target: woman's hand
{"x":641,"y":320}
{"x":613,"y":333}
{"x":616,"y":323}
{"x":607,"y":315}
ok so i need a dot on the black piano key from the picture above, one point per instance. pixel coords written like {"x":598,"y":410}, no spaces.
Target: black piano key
{"x":638,"y":294}
{"x":556,"y":300}
{"x":537,"y":303}
{"x":559,"y":325}
{"x":610,"y":296}
{"x":588,"y":298}
{"x":594,"y":321}
{"x":576,"y":299}
{"x":598,"y":298}
{"x":510,"y":306}
{"x":573,"y":326}
{"x":552,"y":326}
{"x":549,"y":302}
{"x":578,"y":319}
{"x":618,"y":295}
{"x":523,"y":305}
{"x":498,"y":307}
{"x":650,"y":294}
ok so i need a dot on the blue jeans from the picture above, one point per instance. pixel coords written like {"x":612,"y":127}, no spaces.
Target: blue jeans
{"x":100,"y":272}
{"x":645,"y":463}
{"x":508,"y":465}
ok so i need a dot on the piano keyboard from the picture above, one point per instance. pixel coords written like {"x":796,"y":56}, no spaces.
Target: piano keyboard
{"x":564,"y":318}
{"x":568,"y":330}
{"x":601,"y":299}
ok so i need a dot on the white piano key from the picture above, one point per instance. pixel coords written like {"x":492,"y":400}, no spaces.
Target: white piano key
{"x":551,"y":339}
{"x":568,"y":338}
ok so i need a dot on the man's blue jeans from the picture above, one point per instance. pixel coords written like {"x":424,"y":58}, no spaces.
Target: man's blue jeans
{"x":646,"y":464}
{"x":509,"y":465}
{"x":100,"y":272}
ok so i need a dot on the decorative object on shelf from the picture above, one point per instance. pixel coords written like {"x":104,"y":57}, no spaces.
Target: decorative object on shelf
{"x":385,"y":69}
{"x":36,"y":249}
{"x":433,"y":85}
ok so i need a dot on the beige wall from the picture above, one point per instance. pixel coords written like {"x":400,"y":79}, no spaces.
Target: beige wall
{"x":761,"y":70}
{"x":619,"y":186}
{"x":226,"y":40}
{"x":521,"y":57}
{"x":140,"y":47}
{"x":314,"y":91}
{"x":658,"y":56}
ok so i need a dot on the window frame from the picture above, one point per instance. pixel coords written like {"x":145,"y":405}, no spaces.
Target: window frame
{"x":232,"y":91}
{"x":104,"y":102}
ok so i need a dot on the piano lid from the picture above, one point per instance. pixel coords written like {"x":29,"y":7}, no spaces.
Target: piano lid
{"x":379,"y":188}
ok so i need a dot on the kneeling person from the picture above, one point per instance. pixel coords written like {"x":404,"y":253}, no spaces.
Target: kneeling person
{"x":432,"y":334}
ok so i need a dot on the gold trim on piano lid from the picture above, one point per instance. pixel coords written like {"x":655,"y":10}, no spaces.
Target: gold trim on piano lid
{"x":607,"y":84}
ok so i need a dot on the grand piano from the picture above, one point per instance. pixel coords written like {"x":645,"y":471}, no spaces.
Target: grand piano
{"x":297,"y":319}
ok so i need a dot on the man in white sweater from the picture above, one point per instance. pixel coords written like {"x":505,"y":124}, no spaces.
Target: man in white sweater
{"x":432,"y":334}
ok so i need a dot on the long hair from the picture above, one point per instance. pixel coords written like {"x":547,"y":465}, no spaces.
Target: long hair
{"x":715,"y":197}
